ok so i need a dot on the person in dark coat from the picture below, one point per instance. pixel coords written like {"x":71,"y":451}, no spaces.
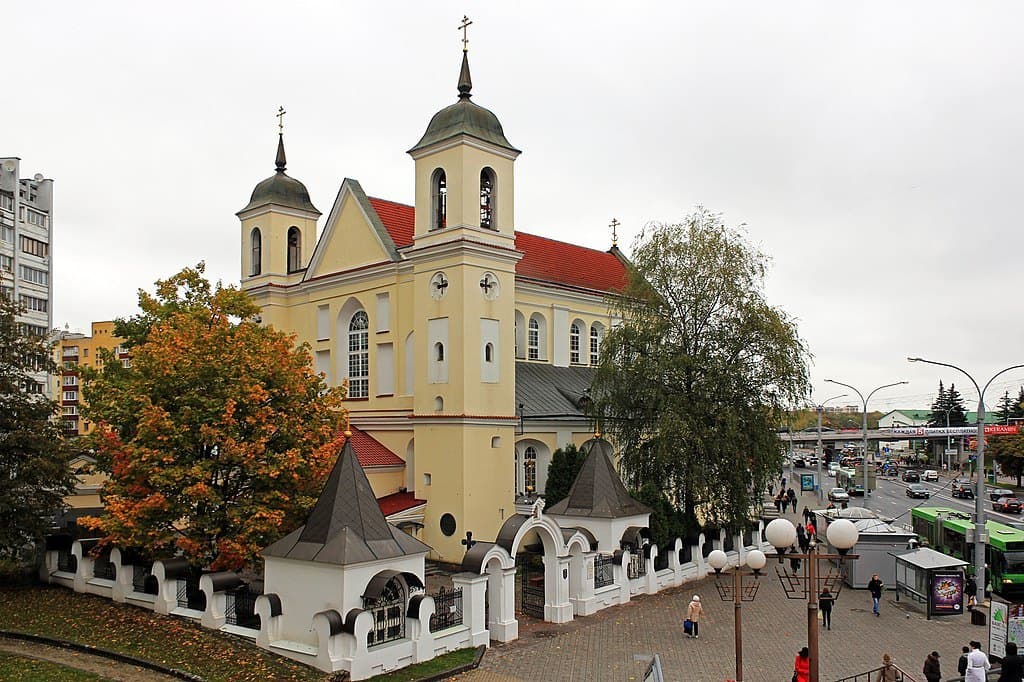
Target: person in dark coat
{"x":825,"y":601}
{"x":791,"y":494}
{"x":808,"y":515}
{"x":875,"y":588}
{"x":931,"y":670}
{"x":1013,"y":665}
{"x":961,"y":665}
{"x":801,"y":538}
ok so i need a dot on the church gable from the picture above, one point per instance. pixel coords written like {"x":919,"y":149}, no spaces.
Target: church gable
{"x":353,"y":235}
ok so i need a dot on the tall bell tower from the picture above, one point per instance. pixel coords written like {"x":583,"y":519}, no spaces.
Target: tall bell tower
{"x":464,"y":262}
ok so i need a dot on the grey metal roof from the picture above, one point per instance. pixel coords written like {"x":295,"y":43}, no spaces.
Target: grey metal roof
{"x":346,"y":525}
{"x":549,"y":392}
{"x":598,"y":490}
{"x":280,"y":188}
{"x":923,"y":557}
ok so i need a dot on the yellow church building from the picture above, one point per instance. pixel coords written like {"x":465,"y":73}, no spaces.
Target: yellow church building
{"x":467,"y":345}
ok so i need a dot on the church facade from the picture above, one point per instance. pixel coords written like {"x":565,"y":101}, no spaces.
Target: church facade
{"x":467,"y":345}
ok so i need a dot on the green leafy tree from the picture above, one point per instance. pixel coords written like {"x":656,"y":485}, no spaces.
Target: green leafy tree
{"x":667,"y":522}
{"x":1008,"y":452}
{"x":565,"y":465}
{"x":33,"y":456}
{"x":219,"y":436}
{"x":694,"y":381}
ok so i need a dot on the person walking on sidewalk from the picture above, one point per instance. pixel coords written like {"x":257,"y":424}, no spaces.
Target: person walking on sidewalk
{"x":961,"y":665}
{"x":808,"y":515}
{"x":825,"y":601}
{"x":875,"y":588}
{"x":792,"y":498}
{"x":931,"y":670}
{"x":977,"y":664}
{"x":801,"y":538}
{"x":887,"y":673}
{"x":802,"y":666}
{"x":1012,"y":669}
{"x":693,"y":614}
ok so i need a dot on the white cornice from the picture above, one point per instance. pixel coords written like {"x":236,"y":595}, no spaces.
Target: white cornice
{"x":468,"y":141}
{"x":433,"y":251}
{"x":280,"y":210}
{"x":559,"y":291}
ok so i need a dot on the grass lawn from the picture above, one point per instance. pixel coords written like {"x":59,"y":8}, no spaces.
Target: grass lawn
{"x":17,"y":669}
{"x":428,"y":668}
{"x":86,"y":619}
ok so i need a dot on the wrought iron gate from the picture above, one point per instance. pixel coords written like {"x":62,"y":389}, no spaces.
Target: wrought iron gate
{"x":531,"y":586}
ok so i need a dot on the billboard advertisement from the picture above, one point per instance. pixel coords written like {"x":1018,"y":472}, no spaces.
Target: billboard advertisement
{"x":946,"y":594}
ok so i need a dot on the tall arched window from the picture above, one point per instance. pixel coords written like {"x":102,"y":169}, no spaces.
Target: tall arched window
{"x":595,"y":344}
{"x":574,"y":343}
{"x":489,"y":352}
{"x":533,"y":340}
{"x":487,"y":199}
{"x":359,"y":356}
{"x":530,"y":469}
{"x":439,"y":351}
{"x":438,"y":200}
{"x":256,"y":241}
{"x":294,"y":249}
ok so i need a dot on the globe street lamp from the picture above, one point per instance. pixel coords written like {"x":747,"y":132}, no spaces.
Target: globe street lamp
{"x":821,"y":455}
{"x":865,"y":424}
{"x":738,"y":592}
{"x":980,"y":530}
{"x":842,"y":535}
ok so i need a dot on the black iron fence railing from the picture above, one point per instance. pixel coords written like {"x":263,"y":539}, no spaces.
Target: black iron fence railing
{"x":189,"y":594}
{"x":604,"y":571}
{"x":143,"y":580}
{"x":661,"y":561}
{"x":103,"y":567}
{"x":240,"y":609}
{"x":388,"y":622}
{"x":872,"y":675}
{"x":447,"y":609}
{"x":637,"y":565}
{"x":66,"y":561}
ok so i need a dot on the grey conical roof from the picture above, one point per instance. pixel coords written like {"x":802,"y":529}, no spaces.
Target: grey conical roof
{"x":280,"y":188}
{"x":598,"y":491}
{"x":346,"y":525}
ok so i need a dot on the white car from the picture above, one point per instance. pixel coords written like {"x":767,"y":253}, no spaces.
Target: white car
{"x":930,"y":475}
{"x":833,"y":467}
{"x":838,"y":495}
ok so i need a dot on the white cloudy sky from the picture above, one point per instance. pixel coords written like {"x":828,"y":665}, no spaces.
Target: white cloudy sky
{"x":871,"y":148}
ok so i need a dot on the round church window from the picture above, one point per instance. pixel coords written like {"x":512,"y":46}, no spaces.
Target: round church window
{"x":448,"y":524}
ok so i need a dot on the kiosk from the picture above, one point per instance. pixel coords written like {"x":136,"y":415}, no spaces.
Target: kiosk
{"x":931,"y":578}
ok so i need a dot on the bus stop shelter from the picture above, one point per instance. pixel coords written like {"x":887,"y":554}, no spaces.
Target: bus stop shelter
{"x":932,"y":579}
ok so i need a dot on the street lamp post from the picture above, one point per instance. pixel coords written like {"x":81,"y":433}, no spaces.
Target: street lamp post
{"x":980,"y":530}
{"x":821,"y":454}
{"x":842,"y":535}
{"x":738,"y":592}
{"x":865,"y":423}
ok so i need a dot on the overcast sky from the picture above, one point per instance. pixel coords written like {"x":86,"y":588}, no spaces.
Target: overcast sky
{"x":872,"y":149}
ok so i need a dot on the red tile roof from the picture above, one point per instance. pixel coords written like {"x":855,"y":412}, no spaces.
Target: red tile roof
{"x":544,"y":259}
{"x":396,"y":502}
{"x":371,"y":452}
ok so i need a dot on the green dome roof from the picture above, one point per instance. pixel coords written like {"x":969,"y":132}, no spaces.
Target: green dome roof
{"x":464,"y":118}
{"x":281,"y":189}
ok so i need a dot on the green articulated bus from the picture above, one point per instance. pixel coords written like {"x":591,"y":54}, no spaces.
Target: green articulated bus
{"x":1004,"y":553}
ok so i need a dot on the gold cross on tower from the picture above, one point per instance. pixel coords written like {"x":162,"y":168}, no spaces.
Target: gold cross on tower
{"x":462,"y":27}
{"x":280,"y":119}
{"x":615,"y":237}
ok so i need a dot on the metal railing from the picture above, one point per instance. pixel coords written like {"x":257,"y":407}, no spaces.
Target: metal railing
{"x":447,"y":609}
{"x":241,"y":608}
{"x":388,"y":622}
{"x":604,"y":571}
{"x":66,"y":561}
{"x":103,"y":567}
{"x":189,"y":594}
{"x":872,"y":675}
{"x":637,"y":565}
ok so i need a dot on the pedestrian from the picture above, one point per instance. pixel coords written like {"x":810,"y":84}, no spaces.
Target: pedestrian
{"x":693,"y":614}
{"x":977,"y":664}
{"x":961,"y":665}
{"x":972,"y":586}
{"x":801,"y":538}
{"x":793,"y":562}
{"x":783,"y":489}
{"x":887,"y":673}
{"x":811,"y":531}
{"x":931,"y":670}
{"x":778,"y":503}
{"x":802,"y":666}
{"x":1013,"y":665}
{"x":875,"y":588}
{"x":792,"y":499}
{"x":808,"y":516}
{"x":825,"y":601}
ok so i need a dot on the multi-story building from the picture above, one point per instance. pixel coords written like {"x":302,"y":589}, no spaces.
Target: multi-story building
{"x":72,"y":352}
{"x":26,"y":230}
{"x":467,"y":345}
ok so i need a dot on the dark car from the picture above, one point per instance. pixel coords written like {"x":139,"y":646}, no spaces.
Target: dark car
{"x":911,"y":477}
{"x":892,"y":471}
{"x":799,"y":462}
{"x":919,"y":490}
{"x":995,"y":494}
{"x":1007,"y":504}
{"x":963,"y":490}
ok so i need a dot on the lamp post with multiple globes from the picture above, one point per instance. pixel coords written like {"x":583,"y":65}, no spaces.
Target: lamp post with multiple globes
{"x":739,"y":592}
{"x":843,"y":535}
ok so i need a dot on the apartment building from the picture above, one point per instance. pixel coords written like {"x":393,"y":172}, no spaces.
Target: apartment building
{"x":73,"y":351}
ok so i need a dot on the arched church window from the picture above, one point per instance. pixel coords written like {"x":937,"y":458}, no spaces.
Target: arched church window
{"x":595,"y":344}
{"x":359,"y":356}
{"x":487,"y":199}
{"x":294,"y":249}
{"x":574,"y":344}
{"x":533,"y":340}
{"x":439,"y":351}
{"x":530,"y":469}
{"x":489,"y":352}
{"x":438,"y":200}
{"x":256,"y":242}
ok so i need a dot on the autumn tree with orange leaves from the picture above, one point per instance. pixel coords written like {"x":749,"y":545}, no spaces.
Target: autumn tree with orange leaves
{"x":218,"y":438}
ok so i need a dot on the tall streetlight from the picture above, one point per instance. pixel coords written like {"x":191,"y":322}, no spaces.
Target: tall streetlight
{"x":980,"y":530}
{"x":821,"y":455}
{"x":739,"y":592}
{"x":842,"y":535}
{"x":865,"y":423}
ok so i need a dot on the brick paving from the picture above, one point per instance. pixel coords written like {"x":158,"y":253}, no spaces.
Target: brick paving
{"x":601,"y":647}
